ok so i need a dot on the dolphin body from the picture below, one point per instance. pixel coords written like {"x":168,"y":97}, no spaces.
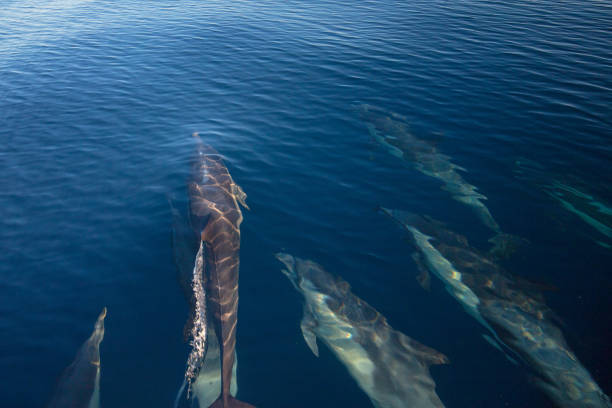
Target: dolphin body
{"x":590,"y":209}
{"x":391,"y":131}
{"x":511,"y":308}
{"x":79,"y":385}
{"x":216,"y":218}
{"x":390,"y":367}
{"x":207,"y":385}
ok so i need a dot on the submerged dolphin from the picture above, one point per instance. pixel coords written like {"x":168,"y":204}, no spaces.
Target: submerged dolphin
{"x":391,"y":131}
{"x":390,"y":367}
{"x":216,"y":218}
{"x":79,"y":385}
{"x":591,"y":210}
{"x":511,"y":308}
{"x":207,"y":385}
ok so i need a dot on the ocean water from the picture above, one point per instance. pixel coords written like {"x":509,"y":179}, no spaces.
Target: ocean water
{"x":98,"y":100}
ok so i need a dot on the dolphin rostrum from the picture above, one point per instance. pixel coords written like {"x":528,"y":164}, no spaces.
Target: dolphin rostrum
{"x":79,"y":385}
{"x":390,"y":367}
{"x":207,"y":386}
{"x":391,"y":131}
{"x":216,"y":218}
{"x":511,"y":308}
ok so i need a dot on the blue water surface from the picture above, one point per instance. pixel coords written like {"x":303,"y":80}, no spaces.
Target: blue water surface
{"x":98,"y":100}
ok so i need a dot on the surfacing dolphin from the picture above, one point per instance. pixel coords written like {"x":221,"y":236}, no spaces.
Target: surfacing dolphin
{"x":216,"y":218}
{"x":391,"y":131}
{"x":512,"y":308}
{"x":390,"y":367}
{"x":79,"y":385}
{"x":207,"y":386}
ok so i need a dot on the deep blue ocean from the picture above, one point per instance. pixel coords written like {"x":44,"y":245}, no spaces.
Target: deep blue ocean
{"x":98,"y":101}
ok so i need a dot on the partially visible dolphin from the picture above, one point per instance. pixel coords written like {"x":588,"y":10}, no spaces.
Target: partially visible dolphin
{"x":207,"y":385}
{"x":590,"y":209}
{"x":512,"y":308}
{"x":215,"y":217}
{"x":79,"y":385}
{"x":391,"y":131}
{"x":390,"y":367}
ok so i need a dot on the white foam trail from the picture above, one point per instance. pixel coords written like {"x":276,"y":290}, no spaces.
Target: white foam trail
{"x":199,"y":329}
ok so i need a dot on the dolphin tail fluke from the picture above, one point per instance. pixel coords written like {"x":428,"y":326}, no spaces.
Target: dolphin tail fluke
{"x":504,"y":245}
{"x":231,"y":403}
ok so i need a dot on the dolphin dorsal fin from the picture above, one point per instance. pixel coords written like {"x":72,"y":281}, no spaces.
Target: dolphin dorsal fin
{"x":240,"y":195}
{"x":308,"y":325}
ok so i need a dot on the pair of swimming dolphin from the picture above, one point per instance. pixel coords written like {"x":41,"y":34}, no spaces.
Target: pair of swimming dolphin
{"x":390,"y":367}
{"x":510,"y":308}
{"x":214,"y":229}
{"x":79,"y":385}
{"x":391,"y":131}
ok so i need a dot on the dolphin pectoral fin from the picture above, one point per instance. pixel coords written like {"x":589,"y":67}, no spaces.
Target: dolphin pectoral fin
{"x":423,"y":278}
{"x":307,"y":325}
{"x":240,"y":195}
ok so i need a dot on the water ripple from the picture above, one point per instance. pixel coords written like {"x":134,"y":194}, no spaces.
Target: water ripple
{"x":97,"y":103}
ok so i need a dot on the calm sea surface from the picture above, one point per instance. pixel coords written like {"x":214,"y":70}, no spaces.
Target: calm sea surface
{"x":98,"y":100}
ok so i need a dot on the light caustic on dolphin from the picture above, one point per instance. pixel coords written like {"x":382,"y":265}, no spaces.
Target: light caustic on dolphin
{"x":206,"y":386}
{"x":511,"y":308}
{"x":79,"y":385}
{"x":390,"y":367}
{"x":215,"y":217}
{"x":391,"y":131}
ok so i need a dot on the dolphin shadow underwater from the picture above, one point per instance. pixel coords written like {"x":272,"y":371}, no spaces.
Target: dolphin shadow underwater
{"x":79,"y":385}
{"x":390,"y":367}
{"x":511,"y":308}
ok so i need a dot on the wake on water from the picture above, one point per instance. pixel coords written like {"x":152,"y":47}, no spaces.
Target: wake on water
{"x":199,"y":340}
